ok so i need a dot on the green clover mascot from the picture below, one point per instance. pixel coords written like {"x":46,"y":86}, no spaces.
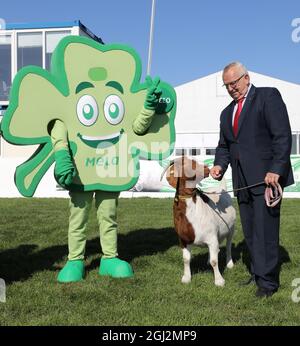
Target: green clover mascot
{"x":92,"y":117}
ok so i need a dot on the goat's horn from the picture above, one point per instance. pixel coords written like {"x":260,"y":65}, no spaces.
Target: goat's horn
{"x":166,"y":168}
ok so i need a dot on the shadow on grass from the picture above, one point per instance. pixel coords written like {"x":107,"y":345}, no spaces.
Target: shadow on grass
{"x":239,"y":252}
{"x":138,"y":243}
{"x":20,"y":263}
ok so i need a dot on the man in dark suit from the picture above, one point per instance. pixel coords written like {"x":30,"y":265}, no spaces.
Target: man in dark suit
{"x":255,"y":138}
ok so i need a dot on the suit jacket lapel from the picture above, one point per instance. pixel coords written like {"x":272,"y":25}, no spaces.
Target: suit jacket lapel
{"x":246,"y":107}
{"x":229,"y":117}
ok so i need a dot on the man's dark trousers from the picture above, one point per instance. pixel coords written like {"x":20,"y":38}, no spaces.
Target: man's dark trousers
{"x":261,"y":230}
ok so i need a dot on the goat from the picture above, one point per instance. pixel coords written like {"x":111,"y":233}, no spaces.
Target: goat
{"x":199,"y":219}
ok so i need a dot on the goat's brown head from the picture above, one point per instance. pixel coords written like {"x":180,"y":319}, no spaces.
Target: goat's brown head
{"x":189,"y":170}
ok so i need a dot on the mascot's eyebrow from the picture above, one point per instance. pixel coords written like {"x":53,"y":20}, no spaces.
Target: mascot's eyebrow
{"x":83,"y":85}
{"x":115,"y":85}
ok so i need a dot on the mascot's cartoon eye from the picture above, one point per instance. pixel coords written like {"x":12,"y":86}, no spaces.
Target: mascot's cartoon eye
{"x":114,"y":109}
{"x":87,"y":110}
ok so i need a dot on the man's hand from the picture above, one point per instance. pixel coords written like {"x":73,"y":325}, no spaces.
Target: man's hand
{"x":153,"y":93}
{"x":272,"y":179}
{"x":216,"y":172}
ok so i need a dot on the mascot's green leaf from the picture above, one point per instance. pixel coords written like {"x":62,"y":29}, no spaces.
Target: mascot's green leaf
{"x":96,"y":91}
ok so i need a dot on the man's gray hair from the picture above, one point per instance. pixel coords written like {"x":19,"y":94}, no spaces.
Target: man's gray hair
{"x":236,"y":64}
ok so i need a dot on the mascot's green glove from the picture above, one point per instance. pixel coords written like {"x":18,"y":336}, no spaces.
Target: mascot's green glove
{"x":153,"y":93}
{"x":64,"y":170}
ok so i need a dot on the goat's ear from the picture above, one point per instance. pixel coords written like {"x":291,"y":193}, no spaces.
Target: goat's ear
{"x":170,"y":176}
{"x":206,"y":171}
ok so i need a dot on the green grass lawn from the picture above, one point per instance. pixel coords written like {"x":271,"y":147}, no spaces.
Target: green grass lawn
{"x":33,"y":247}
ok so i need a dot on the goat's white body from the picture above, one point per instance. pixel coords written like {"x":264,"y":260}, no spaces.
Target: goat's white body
{"x":212,"y":222}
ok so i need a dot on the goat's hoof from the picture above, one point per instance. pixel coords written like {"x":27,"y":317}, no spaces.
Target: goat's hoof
{"x":186,"y":279}
{"x":230,"y":264}
{"x":220,"y":282}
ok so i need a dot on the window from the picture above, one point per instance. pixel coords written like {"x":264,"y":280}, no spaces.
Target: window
{"x":52,"y":39}
{"x":180,"y":152}
{"x":30,"y":50}
{"x":210,"y":151}
{"x":294,"y":144}
{"x":5,"y":66}
{"x":195,"y":151}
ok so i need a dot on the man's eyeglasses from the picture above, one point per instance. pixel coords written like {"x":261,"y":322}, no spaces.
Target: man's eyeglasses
{"x":234,"y":83}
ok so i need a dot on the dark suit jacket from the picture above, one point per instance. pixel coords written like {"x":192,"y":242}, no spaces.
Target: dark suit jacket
{"x":263,"y":142}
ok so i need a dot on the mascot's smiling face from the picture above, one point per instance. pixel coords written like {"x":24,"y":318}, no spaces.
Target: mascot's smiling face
{"x":96,"y":91}
{"x":112,"y":109}
{"x":88,"y":111}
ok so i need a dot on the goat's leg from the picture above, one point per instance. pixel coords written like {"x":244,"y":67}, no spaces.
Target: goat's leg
{"x":186,"y":254}
{"x":208,"y":259}
{"x":213,"y":255}
{"x":229,"y":262}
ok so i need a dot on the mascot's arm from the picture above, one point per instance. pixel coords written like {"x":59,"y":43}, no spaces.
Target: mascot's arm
{"x":144,"y":119}
{"x":64,"y":170}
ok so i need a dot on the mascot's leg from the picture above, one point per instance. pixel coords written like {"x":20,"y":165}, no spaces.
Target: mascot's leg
{"x":106,"y":204}
{"x":80,"y":205}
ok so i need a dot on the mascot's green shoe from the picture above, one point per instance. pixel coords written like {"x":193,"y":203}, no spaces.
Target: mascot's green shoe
{"x":115,"y":268}
{"x":72,"y":271}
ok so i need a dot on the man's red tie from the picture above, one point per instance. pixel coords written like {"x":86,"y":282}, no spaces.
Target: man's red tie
{"x":237,"y":115}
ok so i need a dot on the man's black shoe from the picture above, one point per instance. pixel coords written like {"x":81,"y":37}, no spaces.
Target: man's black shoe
{"x":251,"y":280}
{"x":264,"y":292}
